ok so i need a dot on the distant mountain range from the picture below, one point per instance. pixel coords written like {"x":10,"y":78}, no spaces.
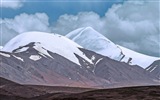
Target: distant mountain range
{"x":40,"y":58}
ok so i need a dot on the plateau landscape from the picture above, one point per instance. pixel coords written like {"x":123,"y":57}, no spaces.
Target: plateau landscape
{"x":82,"y":56}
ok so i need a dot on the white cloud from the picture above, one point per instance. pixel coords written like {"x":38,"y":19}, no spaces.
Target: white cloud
{"x":14,"y":4}
{"x":67,"y":23}
{"x":134,"y":24}
{"x":23,"y":23}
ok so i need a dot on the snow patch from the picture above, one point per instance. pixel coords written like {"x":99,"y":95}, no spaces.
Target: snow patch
{"x":4,"y":54}
{"x":149,"y":68}
{"x":93,"y":58}
{"x":19,"y":58}
{"x":153,"y":69}
{"x":22,"y":49}
{"x":88,"y":67}
{"x":39,"y":48}
{"x":35,"y":57}
{"x":98,"y":61}
{"x":42,"y":54}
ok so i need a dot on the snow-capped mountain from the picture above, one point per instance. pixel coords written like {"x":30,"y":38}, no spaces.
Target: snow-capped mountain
{"x":30,"y":66}
{"x":52,"y":42}
{"x":45,"y":59}
{"x":92,"y":40}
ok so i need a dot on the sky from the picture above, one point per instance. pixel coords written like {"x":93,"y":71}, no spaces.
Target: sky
{"x":131,"y":23}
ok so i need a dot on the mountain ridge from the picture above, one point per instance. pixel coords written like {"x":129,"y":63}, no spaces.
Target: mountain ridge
{"x":90,"y":39}
{"x":35,"y":58}
{"x":53,"y":42}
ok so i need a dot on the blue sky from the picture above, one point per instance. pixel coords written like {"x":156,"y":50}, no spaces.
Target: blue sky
{"x":55,"y":8}
{"x":131,"y":23}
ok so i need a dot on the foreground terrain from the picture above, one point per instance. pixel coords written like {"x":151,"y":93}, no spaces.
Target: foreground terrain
{"x":13,"y":91}
{"x":128,"y":93}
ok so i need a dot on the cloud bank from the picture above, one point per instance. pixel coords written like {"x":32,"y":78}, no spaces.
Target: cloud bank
{"x":14,"y":4}
{"x":23,"y":23}
{"x":133,"y":24}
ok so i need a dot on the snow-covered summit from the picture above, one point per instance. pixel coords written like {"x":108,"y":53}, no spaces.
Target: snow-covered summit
{"x":93,"y":40}
{"x":52,"y":42}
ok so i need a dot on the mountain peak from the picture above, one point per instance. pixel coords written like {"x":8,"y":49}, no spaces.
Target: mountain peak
{"x":89,"y":28}
{"x":90,"y":39}
{"x":86,"y":31}
{"x":52,"y":42}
